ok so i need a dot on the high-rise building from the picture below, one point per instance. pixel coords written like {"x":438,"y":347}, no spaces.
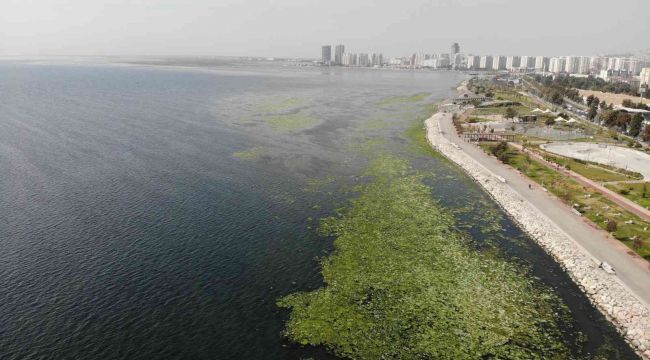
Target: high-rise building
{"x":455,"y":49}
{"x":557,"y":65}
{"x":634,"y":66}
{"x":459,"y":61}
{"x":541,"y":63}
{"x":326,"y":54}
{"x":363,"y":59}
{"x":645,"y":76}
{"x":349,"y":59}
{"x":583,"y":65}
{"x":644,"y":83}
{"x":486,"y":62}
{"x":444,"y":61}
{"x":376,"y":59}
{"x":339,"y":50}
{"x":613,"y":63}
{"x":571,"y":64}
{"x":418,"y":60}
{"x":499,"y":63}
{"x":595,"y":64}
{"x":513,"y":63}
{"x":473,"y":62}
{"x":629,"y":66}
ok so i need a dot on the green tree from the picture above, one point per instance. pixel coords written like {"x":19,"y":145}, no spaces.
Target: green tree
{"x":549,"y":121}
{"x":635,"y":125}
{"x":511,"y":113}
{"x":592,"y":113}
{"x":623,"y":119}
{"x":610,"y":117}
{"x":646,"y":133}
{"x":557,"y":98}
{"x":590,"y":100}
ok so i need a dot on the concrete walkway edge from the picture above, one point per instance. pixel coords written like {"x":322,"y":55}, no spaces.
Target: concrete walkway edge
{"x":628,"y":312}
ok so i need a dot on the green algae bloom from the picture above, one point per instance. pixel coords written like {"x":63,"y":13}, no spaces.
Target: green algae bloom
{"x":292,"y":122}
{"x":253,"y":153}
{"x":396,"y":100}
{"x":403,"y":283}
{"x":280,"y":104}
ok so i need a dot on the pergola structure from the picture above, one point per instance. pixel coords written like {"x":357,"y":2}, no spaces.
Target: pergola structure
{"x":488,"y":137}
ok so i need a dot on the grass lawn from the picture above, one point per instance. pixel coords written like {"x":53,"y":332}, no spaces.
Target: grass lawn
{"x":593,"y":171}
{"x":515,"y":96}
{"x":633,"y":192}
{"x":589,"y":202}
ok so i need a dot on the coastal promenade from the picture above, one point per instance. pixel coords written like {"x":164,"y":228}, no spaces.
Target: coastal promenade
{"x":623,"y":297}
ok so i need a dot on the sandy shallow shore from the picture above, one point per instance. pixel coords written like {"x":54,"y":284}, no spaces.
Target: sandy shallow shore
{"x":627,"y":312}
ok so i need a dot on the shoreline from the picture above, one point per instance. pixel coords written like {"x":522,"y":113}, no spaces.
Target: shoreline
{"x":611,"y":296}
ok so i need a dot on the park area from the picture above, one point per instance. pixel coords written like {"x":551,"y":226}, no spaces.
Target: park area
{"x":616,"y":156}
{"x":623,"y":225}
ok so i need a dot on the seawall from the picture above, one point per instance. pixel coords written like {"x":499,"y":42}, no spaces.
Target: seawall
{"x":629,"y":315}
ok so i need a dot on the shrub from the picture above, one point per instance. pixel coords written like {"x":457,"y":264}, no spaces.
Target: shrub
{"x":611,"y":226}
{"x":501,"y":151}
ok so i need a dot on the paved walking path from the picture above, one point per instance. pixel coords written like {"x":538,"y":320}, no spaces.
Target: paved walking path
{"x":632,"y":270}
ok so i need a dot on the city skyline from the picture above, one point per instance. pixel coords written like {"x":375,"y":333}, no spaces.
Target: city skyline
{"x":291,"y":28}
{"x":603,"y":66}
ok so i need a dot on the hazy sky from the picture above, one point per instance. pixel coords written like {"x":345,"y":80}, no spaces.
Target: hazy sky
{"x":299,"y":27}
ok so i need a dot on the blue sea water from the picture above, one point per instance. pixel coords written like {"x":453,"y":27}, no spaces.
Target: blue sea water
{"x":131,"y":226}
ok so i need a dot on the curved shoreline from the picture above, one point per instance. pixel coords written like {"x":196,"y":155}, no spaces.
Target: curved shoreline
{"x":629,"y":314}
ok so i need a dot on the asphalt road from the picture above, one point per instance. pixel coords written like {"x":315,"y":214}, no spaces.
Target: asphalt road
{"x":632,"y":270}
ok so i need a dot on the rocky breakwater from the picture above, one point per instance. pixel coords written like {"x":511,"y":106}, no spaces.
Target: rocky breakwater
{"x":629,"y":314}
